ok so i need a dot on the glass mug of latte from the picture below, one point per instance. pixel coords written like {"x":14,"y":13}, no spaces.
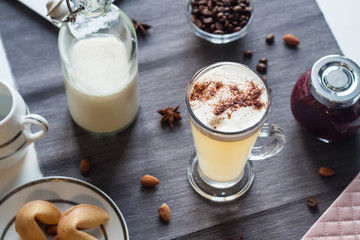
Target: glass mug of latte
{"x":227,"y":105}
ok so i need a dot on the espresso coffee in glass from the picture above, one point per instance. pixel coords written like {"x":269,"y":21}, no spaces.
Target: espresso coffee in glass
{"x":227,"y":104}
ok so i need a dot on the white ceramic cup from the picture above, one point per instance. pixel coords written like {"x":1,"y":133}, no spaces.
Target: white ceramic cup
{"x":15,"y":126}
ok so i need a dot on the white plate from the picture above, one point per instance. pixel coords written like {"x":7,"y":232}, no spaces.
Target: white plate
{"x":64,"y":193}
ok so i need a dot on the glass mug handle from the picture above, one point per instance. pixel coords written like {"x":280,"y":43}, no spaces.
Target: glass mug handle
{"x":272,"y":140}
{"x":38,"y":121}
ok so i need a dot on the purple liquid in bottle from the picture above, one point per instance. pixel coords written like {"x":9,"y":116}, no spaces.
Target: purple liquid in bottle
{"x":325,"y":99}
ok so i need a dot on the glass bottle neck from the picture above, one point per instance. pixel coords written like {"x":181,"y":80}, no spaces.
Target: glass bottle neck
{"x":94,"y":7}
{"x":97,"y":17}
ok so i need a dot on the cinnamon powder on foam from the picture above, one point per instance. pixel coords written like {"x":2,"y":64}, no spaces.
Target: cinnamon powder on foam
{"x":233,"y":98}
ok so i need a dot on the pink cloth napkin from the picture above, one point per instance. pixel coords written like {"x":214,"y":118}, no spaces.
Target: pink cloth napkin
{"x":341,"y":221}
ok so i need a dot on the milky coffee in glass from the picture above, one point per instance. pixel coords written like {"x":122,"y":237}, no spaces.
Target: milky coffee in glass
{"x":227,"y":105}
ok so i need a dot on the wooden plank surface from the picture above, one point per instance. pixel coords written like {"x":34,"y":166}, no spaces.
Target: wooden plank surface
{"x":275,"y":206}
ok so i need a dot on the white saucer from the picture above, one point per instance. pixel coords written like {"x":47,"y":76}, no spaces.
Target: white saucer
{"x":64,"y":193}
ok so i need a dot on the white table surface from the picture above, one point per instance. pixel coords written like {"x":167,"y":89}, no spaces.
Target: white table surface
{"x":342,"y":18}
{"x":28,"y":168}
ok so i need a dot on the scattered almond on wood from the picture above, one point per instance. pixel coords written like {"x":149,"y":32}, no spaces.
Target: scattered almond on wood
{"x":149,"y":181}
{"x":291,"y":40}
{"x":326,"y":171}
{"x":85,"y":166}
{"x":164,"y":212}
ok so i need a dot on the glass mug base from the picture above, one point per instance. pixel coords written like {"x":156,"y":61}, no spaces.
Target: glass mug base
{"x":221,"y":185}
{"x":218,"y":191}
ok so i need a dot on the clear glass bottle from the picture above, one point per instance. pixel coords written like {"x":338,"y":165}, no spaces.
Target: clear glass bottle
{"x":99,"y":60}
{"x":325,"y":99}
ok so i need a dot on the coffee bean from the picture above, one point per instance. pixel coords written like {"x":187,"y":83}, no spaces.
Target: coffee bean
{"x":219,"y":32}
{"x":201,"y":8}
{"x":249,"y":9}
{"x":233,"y":2}
{"x":230,"y":18}
{"x":236,"y":16}
{"x":227,"y":9}
{"x":225,"y":15}
{"x":198,"y":23}
{"x":263,"y":60}
{"x":195,"y":12}
{"x":207,"y":12}
{"x":208,"y":20}
{"x":218,"y":26}
{"x":243,"y":23}
{"x":237,"y":8}
{"x":264,"y":77}
{"x":261,"y":68}
{"x":311,"y":202}
{"x":238,"y":28}
{"x":219,"y":15}
{"x":248,"y":53}
{"x":270,"y":38}
{"x":227,"y":2}
{"x":242,"y":18}
{"x":222,"y":19}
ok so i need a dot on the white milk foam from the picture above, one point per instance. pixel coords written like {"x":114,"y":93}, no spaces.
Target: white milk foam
{"x":240,"y":118}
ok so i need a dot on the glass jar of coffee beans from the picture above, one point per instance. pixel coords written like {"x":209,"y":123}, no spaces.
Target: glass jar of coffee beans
{"x":219,"y":21}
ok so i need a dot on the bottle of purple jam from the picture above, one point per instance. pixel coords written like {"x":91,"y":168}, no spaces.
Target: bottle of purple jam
{"x":325,"y":99}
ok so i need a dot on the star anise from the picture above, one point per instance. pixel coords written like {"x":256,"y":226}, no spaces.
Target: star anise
{"x":169,"y":114}
{"x":240,"y":238}
{"x":142,"y":27}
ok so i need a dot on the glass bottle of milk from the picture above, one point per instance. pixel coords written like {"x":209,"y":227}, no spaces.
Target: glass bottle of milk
{"x":99,"y":60}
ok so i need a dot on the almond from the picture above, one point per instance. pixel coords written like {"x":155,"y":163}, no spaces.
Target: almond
{"x":85,"y":166}
{"x":291,"y":40}
{"x":149,"y":181}
{"x":164,"y":212}
{"x":326,"y":171}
